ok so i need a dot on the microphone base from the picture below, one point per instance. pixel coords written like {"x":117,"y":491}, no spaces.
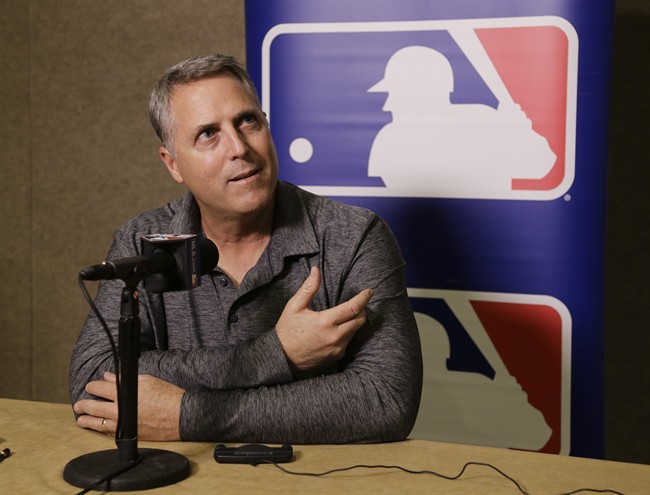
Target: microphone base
{"x":156,"y":468}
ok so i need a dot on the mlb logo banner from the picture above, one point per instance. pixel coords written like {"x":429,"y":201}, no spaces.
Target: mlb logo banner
{"x":497,"y":369}
{"x":477,"y":130}
{"x":459,"y":108}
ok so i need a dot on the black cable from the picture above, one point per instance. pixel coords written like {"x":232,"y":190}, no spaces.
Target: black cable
{"x":116,"y":360}
{"x":111,"y":475}
{"x":116,"y":366}
{"x":451,"y":478}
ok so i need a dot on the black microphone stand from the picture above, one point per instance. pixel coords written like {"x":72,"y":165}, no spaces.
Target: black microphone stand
{"x":127,"y":467}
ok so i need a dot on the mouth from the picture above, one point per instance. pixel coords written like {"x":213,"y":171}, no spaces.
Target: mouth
{"x":245,"y":175}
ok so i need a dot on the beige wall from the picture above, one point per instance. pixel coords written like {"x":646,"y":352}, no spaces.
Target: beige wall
{"x":78,"y":155}
{"x":78,"y":158}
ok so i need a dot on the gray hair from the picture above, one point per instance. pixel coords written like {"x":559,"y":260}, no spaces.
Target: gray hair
{"x":193,"y":69}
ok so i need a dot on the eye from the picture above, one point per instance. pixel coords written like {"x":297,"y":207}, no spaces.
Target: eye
{"x":206,"y":134}
{"x":248,"y":121}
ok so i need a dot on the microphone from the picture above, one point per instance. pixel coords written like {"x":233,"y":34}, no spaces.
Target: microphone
{"x":169,"y":263}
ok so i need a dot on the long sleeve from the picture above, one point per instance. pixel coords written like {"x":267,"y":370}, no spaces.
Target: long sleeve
{"x":218,"y":341}
{"x":373,"y":398}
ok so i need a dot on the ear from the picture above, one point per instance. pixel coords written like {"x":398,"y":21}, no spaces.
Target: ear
{"x":171,"y":164}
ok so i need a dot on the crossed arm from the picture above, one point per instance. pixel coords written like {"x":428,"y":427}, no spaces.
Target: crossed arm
{"x":255,"y":390}
{"x":309,"y":339}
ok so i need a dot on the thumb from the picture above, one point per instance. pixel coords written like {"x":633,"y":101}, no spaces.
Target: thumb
{"x":303,"y":298}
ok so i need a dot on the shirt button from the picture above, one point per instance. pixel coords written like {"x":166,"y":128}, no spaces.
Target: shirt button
{"x":234,"y":318}
{"x":223,"y":282}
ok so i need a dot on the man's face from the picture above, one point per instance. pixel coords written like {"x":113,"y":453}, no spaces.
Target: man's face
{"x":223,"y":150}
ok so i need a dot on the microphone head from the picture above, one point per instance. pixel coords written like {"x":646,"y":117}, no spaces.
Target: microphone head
{"x":169,"y":263}
{"x":97,"y":272}
{"x":195,"y":256}
{"x":209,"y":255}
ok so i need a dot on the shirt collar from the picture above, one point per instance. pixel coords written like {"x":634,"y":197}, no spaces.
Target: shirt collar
{"x":187,"y":216}
{"x":293,"y":231}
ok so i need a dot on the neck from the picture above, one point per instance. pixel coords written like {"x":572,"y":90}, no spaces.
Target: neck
{"x":235,"y":231}
{"x":240,"y":241}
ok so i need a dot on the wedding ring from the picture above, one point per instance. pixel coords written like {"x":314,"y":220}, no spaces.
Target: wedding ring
{"x":104,"y":425}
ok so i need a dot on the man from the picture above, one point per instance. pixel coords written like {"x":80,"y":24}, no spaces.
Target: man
{"x":302,"y":334}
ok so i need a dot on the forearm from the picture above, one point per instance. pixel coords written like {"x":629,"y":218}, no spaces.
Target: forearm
{"x":248,"y":364}
{"x":254,"y":363}
{"x":86,"y":367}
{"x":345,"y":407}
{"x":375,"y":398}
{"x":92,"y":354}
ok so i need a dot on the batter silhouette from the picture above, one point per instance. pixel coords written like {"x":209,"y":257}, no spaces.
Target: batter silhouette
{"x":435,"y":146}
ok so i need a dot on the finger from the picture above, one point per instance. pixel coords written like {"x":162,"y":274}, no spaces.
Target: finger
{"x":97,"y":408}
{"x":348,"y":329}
{"x":303,"y":298}
{"x":102,"y":425}
{"x":103,"y":389}
{"x":353,"y":308}
{"x":109,"y":377}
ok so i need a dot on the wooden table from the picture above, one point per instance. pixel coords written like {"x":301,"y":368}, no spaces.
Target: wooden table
{"x":43,"y":437}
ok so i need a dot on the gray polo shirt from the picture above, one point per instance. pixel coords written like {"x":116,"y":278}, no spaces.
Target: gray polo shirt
{"x":218,"y":341}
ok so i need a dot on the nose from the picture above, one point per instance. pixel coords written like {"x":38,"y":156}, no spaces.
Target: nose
{"x":236,"y":146}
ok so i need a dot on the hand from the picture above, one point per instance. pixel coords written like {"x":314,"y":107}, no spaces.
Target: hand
{"x":313,"y":339}
{"x":159,"y":406}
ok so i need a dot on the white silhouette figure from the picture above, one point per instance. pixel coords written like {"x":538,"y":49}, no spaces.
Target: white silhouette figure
{"x":433,"y":146}
{"x":470,"y":408}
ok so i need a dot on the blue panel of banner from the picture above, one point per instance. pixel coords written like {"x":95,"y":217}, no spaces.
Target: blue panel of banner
{"x":478,"y":130}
